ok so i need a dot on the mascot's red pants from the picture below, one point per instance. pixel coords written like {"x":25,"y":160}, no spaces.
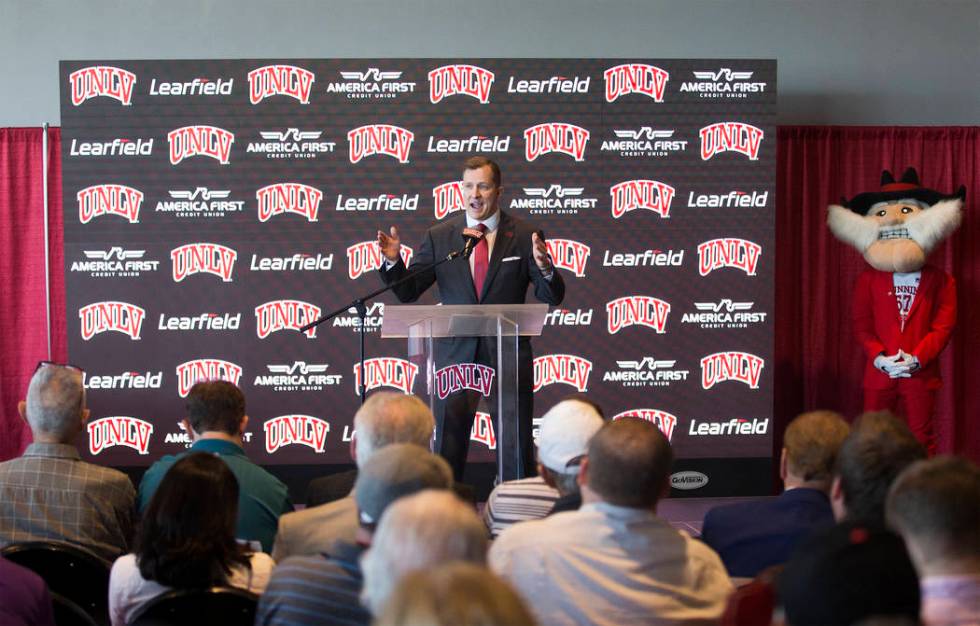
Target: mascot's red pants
{"x":918,"y":404}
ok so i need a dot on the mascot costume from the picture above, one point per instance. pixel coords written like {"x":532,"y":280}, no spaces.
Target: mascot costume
{"x":904,"y":309}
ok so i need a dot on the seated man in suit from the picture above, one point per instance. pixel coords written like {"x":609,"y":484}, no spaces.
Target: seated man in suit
{"x":751,"y":536}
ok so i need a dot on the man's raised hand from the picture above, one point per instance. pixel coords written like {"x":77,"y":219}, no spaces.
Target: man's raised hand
{"x":390,"y":244}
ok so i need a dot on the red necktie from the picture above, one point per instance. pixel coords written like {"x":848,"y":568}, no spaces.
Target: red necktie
{"x":481,"y":261}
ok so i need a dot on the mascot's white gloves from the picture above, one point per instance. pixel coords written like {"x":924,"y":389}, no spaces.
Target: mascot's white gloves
{"x":894,"y":365}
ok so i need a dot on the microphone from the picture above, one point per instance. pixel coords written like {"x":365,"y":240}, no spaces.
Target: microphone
{"x":472,"y":236}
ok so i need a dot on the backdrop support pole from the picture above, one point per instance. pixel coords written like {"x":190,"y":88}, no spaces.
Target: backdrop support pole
{"x":47,"y":243}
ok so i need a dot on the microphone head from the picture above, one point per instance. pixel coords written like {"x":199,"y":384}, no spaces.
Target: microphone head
{"x":472,"y":233}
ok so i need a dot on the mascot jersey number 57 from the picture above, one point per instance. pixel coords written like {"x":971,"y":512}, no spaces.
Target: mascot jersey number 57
{"x":904,"y":309}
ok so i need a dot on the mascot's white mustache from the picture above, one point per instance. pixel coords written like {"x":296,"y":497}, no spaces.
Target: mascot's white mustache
{"x":927,"y":228}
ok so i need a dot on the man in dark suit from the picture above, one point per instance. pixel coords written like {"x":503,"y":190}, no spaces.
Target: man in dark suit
{"x":510,"y":255}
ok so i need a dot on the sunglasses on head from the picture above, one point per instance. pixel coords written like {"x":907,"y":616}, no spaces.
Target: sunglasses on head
{"x":69,"y":366}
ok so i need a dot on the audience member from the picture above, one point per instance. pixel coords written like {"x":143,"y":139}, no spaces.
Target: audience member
{"x":455,"y":594}
{"x":418,"y":532}
{"x":563,"y":441}
{"x":326,"y":587}
{"x":187,"y":539}
{"x":49,"y":493}
{"x":614,"y":561}
{"x":24,"y":597}
{"x":386,"y":417}
{"x":935,"y":506}
{"x":216,"y":420}
{"x":751,"y":536}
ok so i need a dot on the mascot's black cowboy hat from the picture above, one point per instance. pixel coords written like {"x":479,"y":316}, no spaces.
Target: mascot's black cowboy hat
{"x":907,"y":187}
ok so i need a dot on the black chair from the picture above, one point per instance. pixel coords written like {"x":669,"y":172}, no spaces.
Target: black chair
{"x":227,"y":606}
{"x":67,"y":613}
{"x":72,"y":572}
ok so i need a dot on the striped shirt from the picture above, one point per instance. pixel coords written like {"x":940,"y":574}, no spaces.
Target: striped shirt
{"x":517,"y":501}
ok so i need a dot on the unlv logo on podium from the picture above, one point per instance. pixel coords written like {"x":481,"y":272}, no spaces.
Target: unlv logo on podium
{"x":482,"y":431}
{"x":460,"y":376}
{"x":386,"y":372}
{"x":119,"y":430}
{"x":465,"y":80}
{"x":304,"y":430}
{"x":200,"y":370}
{"x":640,"y":78}
{"x":102,"y":80}
{"x":280,"y":80}
{"x":663,"y":420}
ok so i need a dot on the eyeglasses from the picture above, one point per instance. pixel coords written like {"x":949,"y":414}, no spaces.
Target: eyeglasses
{"x":69,"y":366}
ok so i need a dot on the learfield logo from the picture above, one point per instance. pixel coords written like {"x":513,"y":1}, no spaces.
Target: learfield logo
{"x":102,"y":80}
{"x":662,"y":419}
{"x":116,"y":262}
{"x":299,"y":262}
{"x":647,"y":80}
{"x":380,"y":202}
{"x":568,"y":369}
{"x":295,"y":198}
{"x":647,"y":258}
{"x":200,"y":202}
{"x":121,"y":317}
{"x":285,"y":314}
{"x":203,"y":258}
{"x":119,"y":430}
{"x":568,"y":254}
{"x":373,"y":319}
{"x":723,"y":83}
{"x":730,"y":137}
{"x":197,"y":87}
{"x":202,"y":370}
{"x":209,"y":141}
{"x":300,"y":376}
{"x":291,"y":143}
{"x":371,"y":83}
{"x":384,"y":139}
{"x":645,"y":141}
{"x":386,"y":372}
{"x":631,"y":195}
{"x":567,"y":317}
{"x":448,"y":198}
{"x":462,"y":80}
{"x":120,"y":146}
{"x":732,"y":199}
{"x":637,"y":311}
{"x":555,"y":199}
{"x":726,"y":313}
{"x":365,"y":256}
{"x":728,"y":252}
{"x":126,"y":380}
{"x":204,"y":321}
{"x":304,"y":430}
{"x":555,"y":84}
{"x":280,"y":80}
{"x":482,"y":431}
{"x":646,"y":372}
{"x":473,"y":143}
{"x":101,"y":200}
{"x":738,"y":366}
{"x":460,"y":376}
{"x":734,"y":426}
{"x":556,"y":137}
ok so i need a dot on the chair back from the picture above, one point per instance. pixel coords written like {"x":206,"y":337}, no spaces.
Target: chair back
{"x":227,"y":606}
{"x":67,"y":613}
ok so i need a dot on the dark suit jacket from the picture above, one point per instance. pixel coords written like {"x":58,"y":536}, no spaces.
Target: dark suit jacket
{"x":751,"y":536}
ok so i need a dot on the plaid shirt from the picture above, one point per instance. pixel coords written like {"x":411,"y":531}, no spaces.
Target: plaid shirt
{"x":50,"y":494}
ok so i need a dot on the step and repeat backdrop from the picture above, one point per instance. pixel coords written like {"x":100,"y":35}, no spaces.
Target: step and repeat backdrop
{"x":214,"y":207}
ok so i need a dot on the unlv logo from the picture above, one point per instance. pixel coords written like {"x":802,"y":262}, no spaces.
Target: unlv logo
{"x":299,"y":429}
{"x":119,"y":430}
{"x":448,"y":198}
{"x":482,"y":431}
{"x":109,"y":200}
{"x":721,"y":366}
{"x":102,"y":80}
{"x":562,"y":368}
{"x":288,"y":198}
{"x":466,"y":80}
{"x":282,"y":314}
{"x":555,"y":137}
{"x":201,"y":370}
{"x":386,"y":372}
{"x":210,"y":258}
{"x":365,"y":256}
{"x":663,"y":420}
{"x":208,"y":141}
{"x":641,"y":78}
{"x":569,"y":255}
{"x":730,"y":137}
{"x":280,"y":80}
{"x":122,"y":317}
{"x":630,"y":195}
{"x":728,"y":252}
{"x":393,"y":141}
{"x":453,"y":378}
{"x":637,"y":311}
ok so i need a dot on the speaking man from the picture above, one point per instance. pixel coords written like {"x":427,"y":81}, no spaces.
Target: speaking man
{"x":509,"y":254}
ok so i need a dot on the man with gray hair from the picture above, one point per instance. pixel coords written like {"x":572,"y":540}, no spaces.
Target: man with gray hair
{"x":386,"y":417}
{"x":49,"y":493}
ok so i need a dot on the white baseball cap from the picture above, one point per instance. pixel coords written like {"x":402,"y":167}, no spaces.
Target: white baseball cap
{"x":564,"y":435}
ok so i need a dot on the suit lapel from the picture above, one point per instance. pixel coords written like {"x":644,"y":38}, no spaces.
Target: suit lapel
{"x":461,"y":267}
{"x":502,"y":245}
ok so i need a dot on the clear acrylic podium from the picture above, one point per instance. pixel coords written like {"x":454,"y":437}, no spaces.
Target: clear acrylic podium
{"x":442,"y":341}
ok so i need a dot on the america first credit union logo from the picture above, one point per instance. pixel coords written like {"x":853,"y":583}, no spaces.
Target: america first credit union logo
{"x":730,"y":137}
{"x":280,"y":80}
{"x":208,"y":141}
{"x":728,"y":252}
{"x":102,"y":80}
{"x":460,"y":376}
{"x":199,"y":202}
{"x":637,"y":311}
{"x":303,"y":430}
{"x":555,"y":199}
{"x":382,"y":139}
{"x":557,"y":137}
{"x":120,"y":317}
{"x":279,"y":315}
{"x":203,"y":370}
{"x":448,"y":198}
{"x":373,"y":318}
{"x":386,"y":372}
{"x":291,"y":143}
{"x":371,"y":83}
{"x":723,"y":83}
{"x":631,"y":195}
{"x":295,"y":198}
{"x":661,"y":419}
{"x":203,"y":258}
{"x":568,"y":254}
{"x":733,"y":365}
{"x":99,"y":200}
{"x":366,"y":256}
{"x":646,"y":372}
{"x":640,"y":78}
{"x":645,"y":141}
{"x":460,"y":79}
{"x":567,"y":369}
{"x":116,"y":262}
{"x":726,"y":313}
{"x":119,"y":430}
{"x":300,"y":376}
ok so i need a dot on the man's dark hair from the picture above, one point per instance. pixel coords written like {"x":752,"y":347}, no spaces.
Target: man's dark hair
{"x":476,"y":162}
{"x":879,"y":447}
{"x":629,"y":463}
{"x":215,"y":405}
